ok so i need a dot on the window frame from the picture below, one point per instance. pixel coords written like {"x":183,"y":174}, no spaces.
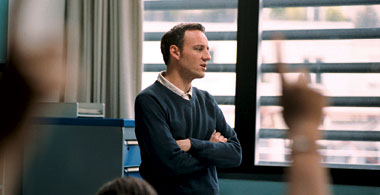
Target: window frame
{"x":246,"y":100}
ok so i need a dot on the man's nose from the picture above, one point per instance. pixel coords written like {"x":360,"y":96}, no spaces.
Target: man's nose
{"x":207,"y":56}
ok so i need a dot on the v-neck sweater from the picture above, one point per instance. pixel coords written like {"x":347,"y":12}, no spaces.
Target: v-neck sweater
{"x":161,"y":118}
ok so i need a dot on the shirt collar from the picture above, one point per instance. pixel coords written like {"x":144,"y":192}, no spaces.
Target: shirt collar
{"x":173,"y":88}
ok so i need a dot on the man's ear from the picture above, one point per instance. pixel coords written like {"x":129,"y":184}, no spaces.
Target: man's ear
{"x":175,"y":52}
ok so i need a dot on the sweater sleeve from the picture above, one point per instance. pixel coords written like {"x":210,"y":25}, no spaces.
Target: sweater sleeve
{"x":223,"y":155}
{"x":157,"y":142}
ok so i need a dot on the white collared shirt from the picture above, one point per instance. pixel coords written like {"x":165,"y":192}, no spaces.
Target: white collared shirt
{"x":173,"y":88}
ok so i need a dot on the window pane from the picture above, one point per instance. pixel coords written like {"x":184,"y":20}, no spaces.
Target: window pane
{"x":336,"y":17}
{"x":337,"y":154}
{"x":351,"y":123}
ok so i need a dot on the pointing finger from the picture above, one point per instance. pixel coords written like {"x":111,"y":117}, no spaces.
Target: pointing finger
{"x":281,"y":68}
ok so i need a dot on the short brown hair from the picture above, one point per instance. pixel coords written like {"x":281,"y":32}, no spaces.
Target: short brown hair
{"x":127,"y":186}
{"x":175,"y":37}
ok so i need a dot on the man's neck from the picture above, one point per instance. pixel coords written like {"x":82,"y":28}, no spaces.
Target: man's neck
{"x":176,"y":79}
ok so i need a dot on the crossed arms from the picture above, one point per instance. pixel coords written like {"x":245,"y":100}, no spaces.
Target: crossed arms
{"x":176,"y":157}
{"x":185,"y":144}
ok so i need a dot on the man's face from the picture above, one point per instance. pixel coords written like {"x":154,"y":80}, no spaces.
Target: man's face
{"x":194,"y":55}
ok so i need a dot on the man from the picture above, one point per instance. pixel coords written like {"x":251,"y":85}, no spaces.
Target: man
{"x":182,"y":133}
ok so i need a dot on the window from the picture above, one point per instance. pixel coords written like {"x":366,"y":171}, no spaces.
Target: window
{"x":337,"y":45}
{"x":338,"y":41}
{"x":220,"y":21}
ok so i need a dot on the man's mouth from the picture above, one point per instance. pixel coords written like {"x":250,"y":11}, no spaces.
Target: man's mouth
{"x":204,"y":66}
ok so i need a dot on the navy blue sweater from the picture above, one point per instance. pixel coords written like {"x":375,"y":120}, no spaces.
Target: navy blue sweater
{"x":161,"y":118}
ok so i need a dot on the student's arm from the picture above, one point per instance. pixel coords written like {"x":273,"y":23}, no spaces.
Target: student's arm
{"x":306,"y":174}
{"x":222,"y":154}
{"x":155,"y":138}
{"x":302,"y":113}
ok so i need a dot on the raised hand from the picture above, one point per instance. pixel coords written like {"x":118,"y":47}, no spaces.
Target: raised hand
{"x":302,"y":104}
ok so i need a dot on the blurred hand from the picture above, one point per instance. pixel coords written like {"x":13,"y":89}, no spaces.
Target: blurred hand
{"x":217,"y":137}
{"x":41,"y":67}
{"x":184,"y":144}
{"x":302,"y":104}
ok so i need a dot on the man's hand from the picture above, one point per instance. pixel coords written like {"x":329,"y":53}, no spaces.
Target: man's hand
{"x":217,"y":137}
{"x":184,"y":144}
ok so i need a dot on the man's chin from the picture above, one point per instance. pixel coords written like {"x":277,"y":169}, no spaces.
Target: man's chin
{"x":199,"y":76}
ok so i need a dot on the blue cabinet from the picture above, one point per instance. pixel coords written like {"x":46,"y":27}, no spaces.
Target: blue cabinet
{"x":131,"y":151}
{"x":131,"y":154}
